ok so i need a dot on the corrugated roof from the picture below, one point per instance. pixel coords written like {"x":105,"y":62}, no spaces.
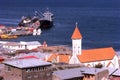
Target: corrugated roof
{"x":76,"y":34}
{"x":96,"y":54}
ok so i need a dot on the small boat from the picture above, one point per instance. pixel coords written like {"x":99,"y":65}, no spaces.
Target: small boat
{"x":39,"y":20}
{"x":37,"y":31}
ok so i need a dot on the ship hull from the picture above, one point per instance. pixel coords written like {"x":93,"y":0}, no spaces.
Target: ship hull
{"x":42,"y":21}
{"x":45,"y":24}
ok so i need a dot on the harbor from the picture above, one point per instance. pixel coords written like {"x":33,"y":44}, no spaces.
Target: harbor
{"x":31,"y":25}
{"x":59,"y":40}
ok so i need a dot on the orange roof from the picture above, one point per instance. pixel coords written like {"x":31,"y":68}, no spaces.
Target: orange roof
{"x":53,"y":56}
{"x":96,"y":54}
{"x":62,"y":58}
{"x":76,"y":34}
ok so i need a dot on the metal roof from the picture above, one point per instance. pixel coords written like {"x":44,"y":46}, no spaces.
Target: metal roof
{"x":76,"y":72}
{"x":26,"y":63}
{"x":68,"y":73}
{"x":31,"y":43}
{"x":93,"y":71}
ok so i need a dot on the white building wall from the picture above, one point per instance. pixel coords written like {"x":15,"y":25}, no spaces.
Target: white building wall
{"x":105,"y":63}
{"x":92,"y":64}
{"x":115,"y":61}
{"x":76,"y":49}
{"x":20,"y":47}
{"x":32,"y":46}
{"x":74,"y":60}
{"x":14,"y":47}
{"x":76,"y":46}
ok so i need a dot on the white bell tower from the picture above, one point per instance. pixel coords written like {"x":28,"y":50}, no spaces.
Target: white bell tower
{"x":76,"y":46}
{"x":76,"y":42}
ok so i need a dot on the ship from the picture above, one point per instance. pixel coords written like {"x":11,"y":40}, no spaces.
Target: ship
{"x":38,"y":21}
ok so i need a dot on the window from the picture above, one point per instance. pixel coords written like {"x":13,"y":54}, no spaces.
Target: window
{"x":48,"y":74}
{"x":29,"y":77}
{"x":27,"y":70}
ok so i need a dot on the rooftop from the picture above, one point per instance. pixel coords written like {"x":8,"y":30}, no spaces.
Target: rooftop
{"x":76,"y":34}
{"x":26,"y":63}
{"x":31,"y":43}
{"x":68,"y":73}
{"x":97,"y":54}
{"x":76,"y":72}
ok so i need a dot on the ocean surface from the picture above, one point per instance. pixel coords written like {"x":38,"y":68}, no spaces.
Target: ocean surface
{"x":98,"y":21}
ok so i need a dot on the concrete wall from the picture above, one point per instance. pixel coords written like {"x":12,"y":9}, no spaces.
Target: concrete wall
{"x":35,"y":73}
{"x":12,"y":73}
{"x":103,"y":75}
{"x":44,"y":74}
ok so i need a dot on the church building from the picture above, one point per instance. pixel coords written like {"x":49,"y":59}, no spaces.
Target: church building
{"x":99,"y":57}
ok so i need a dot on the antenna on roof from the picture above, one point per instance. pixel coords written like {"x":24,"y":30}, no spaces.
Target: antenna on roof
{"x":76,"y":24}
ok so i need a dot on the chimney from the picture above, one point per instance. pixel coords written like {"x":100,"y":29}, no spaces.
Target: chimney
{"x":25,"y":46}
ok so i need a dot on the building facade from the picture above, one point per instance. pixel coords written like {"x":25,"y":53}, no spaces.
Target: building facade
{"x":27,"y":69}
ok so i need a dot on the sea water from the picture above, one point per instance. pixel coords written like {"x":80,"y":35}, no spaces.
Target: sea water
{"x":98,"y":21}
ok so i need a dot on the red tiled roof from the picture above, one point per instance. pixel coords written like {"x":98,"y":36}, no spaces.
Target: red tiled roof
{"x":62,"y":58}
{"x":28,"y":57}
{"x":96,"y":54}
{"x":1,"y":58}
{"x":76,"y":34}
